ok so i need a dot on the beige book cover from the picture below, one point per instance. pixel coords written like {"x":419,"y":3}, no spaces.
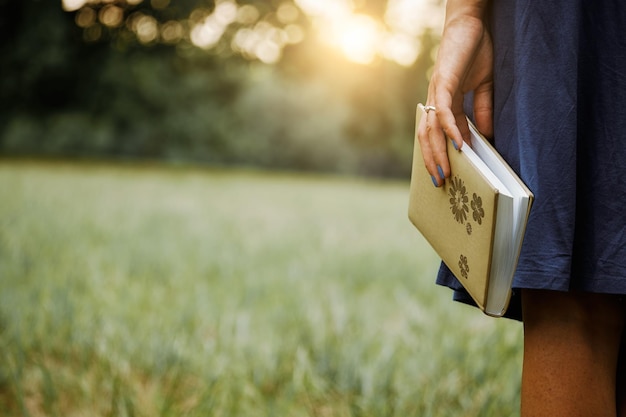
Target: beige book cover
{"x":472,"y":221}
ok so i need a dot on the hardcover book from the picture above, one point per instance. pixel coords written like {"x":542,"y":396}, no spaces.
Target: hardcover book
{"x":475,"y":221}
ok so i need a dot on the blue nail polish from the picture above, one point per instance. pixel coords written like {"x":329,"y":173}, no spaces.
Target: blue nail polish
{"x":441,"y":173}
{"x":434,"y":181}
{"x":455,"y":145}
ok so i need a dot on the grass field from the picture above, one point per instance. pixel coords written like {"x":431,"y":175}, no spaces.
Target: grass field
{"x":164,"y":291}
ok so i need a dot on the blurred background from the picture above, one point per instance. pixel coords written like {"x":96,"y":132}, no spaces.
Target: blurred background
{"x":323,"y":85}
{"x":203,"y":212}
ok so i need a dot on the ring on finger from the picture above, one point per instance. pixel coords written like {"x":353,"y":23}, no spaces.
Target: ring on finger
{"x":427,"y":108}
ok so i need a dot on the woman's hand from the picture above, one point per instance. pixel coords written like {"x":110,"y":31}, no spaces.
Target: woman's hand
{"x":464,"y":63}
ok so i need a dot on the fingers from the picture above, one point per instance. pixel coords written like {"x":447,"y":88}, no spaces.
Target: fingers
{"x":451,"y":119}
{"x":464,"y":63}
{"x":432,"y":142}
{"x":463,"y":127}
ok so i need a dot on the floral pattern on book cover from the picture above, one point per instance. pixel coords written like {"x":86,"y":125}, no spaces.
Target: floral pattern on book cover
{"x":459,"y":199}
{"x":460,"y":207}
{"x":464,"y":266}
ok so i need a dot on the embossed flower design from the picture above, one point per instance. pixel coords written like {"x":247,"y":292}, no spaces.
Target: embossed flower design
{"x":464,"y":266}
{"x":458,"y":200}
{"x":477,"y":209}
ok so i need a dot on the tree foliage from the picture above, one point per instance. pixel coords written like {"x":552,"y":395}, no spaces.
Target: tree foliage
{"x":81,"y":83}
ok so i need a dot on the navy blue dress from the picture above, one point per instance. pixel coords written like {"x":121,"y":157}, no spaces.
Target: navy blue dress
{"x":560,"y":122}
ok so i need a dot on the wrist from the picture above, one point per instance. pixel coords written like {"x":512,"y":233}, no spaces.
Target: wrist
{"x":464,"y":9}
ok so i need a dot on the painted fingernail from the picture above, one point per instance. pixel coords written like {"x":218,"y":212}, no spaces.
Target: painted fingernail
{"x":434,"y":181}
{"x":441,"y":173}
{"x":454,"y":144}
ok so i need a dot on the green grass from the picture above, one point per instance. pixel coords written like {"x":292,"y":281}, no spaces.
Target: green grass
{"x":156,"y":291}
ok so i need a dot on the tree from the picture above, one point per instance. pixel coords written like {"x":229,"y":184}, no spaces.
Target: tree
{"x":212,"y":82}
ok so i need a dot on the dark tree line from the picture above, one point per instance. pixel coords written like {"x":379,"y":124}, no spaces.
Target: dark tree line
{"x":66,"y":92}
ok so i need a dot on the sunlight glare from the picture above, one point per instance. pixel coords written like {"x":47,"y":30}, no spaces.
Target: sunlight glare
{"x":172,"y":32}
{"x":412,"y":17}
{"x":401,"y":48}
{"x":247,"y":14}
{"x":225,"y":12}
{"x":357,"y":36}
{"x":358,"y":39}
{"x":361,"y":38}
{"x":73,"y":5}
{"x":111,"y":16}
{"x":340,"y":24}
{"x":329,"y":9}
{"x":207,"y":33}
{"x":146,"y":28}
{"x":295,"y":34}
{"x":287,"y":13}
{"x":263,"y":42}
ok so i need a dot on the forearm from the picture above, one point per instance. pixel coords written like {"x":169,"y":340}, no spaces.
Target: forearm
{"x":464,"y":63}
{"x":464,"y":32}
{"x":463,"y":9}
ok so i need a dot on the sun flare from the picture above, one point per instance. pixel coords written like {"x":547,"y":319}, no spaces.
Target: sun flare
{"x":358,"y":39}
{"x":362,"y":39}
{"x":342,"y":25}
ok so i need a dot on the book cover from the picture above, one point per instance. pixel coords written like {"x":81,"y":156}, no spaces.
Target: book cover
{"x":470,"y":223}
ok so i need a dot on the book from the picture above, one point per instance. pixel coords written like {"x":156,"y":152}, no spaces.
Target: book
{"x":476,"y":221}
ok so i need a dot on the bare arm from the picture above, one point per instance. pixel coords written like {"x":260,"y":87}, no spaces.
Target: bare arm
{"x":464,"y":63}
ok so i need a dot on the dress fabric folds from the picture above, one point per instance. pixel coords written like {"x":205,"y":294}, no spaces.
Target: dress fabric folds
{"x":560,"y":122}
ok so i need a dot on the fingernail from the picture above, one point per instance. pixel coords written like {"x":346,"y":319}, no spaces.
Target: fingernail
{"x":454,"y":144}
{"x":434,"y":181}
{"x":441,"y":173}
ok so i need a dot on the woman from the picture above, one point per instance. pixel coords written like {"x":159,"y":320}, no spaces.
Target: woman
{"x":548,"y":83}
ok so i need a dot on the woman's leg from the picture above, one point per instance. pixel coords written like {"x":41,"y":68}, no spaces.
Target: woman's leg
{"x":620,"y":391}
{"x":571,"y":349}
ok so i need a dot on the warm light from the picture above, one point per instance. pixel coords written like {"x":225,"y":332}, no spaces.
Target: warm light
{"x":208,"y":32}
{"x":263,"y":42}
{"x":287,"y":13}
{"x":327,"y":9}
{"x":225,"y":12}
{"x":413,"y":16}
{"x":172,"y":32}
{"x":146,"y":29}
{"x":295,"y":34}
{"x":362,"y":39}
{"x":247,"y":14}
{"x":268,"y":52}
{"x":358,"y":38}
{"x":401,"y":48}
{"x":199,"y":14}
{"x":111,"y":16}
{"x":85,"y":17}
{"x":73,"y":5}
